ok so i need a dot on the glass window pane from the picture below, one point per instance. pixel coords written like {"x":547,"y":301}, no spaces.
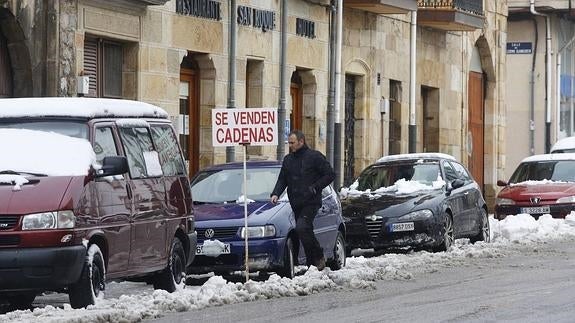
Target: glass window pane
{"x":113,"y":58}
{"x":450,"y":173}
{"x":170,"y":158}
{"x":134,"y":152}
{"x":104,"y":144}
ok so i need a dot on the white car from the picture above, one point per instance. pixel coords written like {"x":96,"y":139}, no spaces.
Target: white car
{"x":565,"y":145}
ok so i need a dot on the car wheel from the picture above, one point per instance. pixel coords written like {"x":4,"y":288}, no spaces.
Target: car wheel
{"x":92,"y":280}
{"x":21,"y":301}
{"x":448,"y":237}
{"x":484,"y":231}
{"x":288,"y":269}
{"x":338,"y":260}
{"x":174,"y":272}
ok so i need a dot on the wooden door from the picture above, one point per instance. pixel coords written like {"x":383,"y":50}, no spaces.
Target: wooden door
{"x":394,"y":128}
{"x":476,"y":126}
{"x":5,"y":69}
{"x":296,"y":107}
{"x":190,"y":116}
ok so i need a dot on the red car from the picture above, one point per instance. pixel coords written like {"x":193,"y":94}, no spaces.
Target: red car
{"x":541,"y":184}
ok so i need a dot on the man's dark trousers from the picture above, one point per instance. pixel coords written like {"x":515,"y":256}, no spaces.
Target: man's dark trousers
{"x":304,"y":228}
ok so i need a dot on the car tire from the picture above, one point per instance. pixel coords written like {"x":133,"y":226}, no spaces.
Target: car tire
{"x":447,"y":231}
{"x":288,"y":269}
{"x":339,"y":253}
{"x":174,"y":272}
{"x":92,"y":280}
{"x":20,"y":301}
{"x":484,"y":230}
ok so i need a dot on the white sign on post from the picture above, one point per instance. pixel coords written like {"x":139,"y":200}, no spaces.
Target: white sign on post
{"x":252,"y":126}
{"x":246,"y":127}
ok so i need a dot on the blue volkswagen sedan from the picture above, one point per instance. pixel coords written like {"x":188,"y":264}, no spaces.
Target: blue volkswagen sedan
{"x":273,"y":245}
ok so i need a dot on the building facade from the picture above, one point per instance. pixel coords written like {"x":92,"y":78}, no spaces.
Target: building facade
{"x":541,"y":70}
{"x":175,"y":54}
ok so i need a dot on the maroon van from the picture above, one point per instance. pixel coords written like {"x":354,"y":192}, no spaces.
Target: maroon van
{"x":90,"y":190}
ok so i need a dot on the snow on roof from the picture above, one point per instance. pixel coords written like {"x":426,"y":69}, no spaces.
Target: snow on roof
{"x":414,"y":156}
{"x":41,"y":152}
{"x":549,"y":157}
{"x":565,"y":143}
{"x":77,"y":107}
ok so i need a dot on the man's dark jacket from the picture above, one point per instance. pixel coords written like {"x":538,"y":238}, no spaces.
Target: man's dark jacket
{"x":305,"y":173}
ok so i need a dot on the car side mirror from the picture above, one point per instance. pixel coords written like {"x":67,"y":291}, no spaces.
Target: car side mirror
{"x":501,"y":183}
{"x":457,"y":183}
{"x":113,"y":165}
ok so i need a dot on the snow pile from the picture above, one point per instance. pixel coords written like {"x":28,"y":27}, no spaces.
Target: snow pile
{"x":541,"y":182}
{"x":360,"y":273}
{"x":78,"y":107}
{"x":16,"y":180}
{"x":524,"y":228}
{"x":47,"y":153}
{"x":400,"y":187}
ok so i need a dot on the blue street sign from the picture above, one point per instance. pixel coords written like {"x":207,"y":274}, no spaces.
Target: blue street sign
{"x":519,"y":48}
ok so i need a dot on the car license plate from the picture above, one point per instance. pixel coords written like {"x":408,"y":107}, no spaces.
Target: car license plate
{"x":225,"y":249}
{"x":406,"y":226}
{"x":536,"y":209}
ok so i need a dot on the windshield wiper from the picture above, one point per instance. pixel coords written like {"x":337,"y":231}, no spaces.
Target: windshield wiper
{"x":203,"y":202}
{"x":11,"y":172}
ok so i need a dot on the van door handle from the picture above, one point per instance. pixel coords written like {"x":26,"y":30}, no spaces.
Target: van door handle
{"x":129,"y":191}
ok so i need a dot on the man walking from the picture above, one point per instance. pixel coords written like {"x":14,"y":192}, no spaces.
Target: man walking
{"x":305,"y":172}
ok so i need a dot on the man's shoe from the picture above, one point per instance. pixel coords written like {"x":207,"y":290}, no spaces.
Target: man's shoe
{"x":320,"y":264}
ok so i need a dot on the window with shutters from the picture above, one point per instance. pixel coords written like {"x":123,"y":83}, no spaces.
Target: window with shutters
{"x":103,"y":62}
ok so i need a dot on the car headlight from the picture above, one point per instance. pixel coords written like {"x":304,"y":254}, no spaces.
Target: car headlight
{"x":504,"y":201}
{"x":416,"y":215}
{"x":49,"y":220}
{"x":263,"y":231}
{"x":566,"y":199}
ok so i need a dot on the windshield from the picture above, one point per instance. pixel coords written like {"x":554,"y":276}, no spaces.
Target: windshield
{"x":68,"y":128}
{"x":551,"y":170}
{"x":44,"y":153}
{"x":386,"y":175}
{"x":227,"y":185}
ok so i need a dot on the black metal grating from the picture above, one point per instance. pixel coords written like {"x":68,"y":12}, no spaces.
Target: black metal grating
{"x":9,"y":240}
{"x":8,"y":222}
{"x":219,"y":233}
{"x":374,"y":227}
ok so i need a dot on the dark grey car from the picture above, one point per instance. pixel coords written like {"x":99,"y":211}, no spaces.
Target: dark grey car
{"x":414,"y":200}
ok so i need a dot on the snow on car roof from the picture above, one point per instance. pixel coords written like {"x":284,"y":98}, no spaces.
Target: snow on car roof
{"x":41,"y":152}
{"x":78,"y":107}
{"x":547,"y":157}
{"x":414,"y":156}
{"x":565,"y":143}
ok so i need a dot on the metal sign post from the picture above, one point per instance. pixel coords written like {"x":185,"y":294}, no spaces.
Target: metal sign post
{"x":244,"y":127}
{"x":245,"y":192}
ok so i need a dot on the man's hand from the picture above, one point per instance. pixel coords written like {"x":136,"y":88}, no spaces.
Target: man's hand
{"x":274,"y":199}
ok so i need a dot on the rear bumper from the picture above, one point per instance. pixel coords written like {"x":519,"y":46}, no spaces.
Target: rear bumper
{"x":40,"y":268}
{"x":263,"y":254}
